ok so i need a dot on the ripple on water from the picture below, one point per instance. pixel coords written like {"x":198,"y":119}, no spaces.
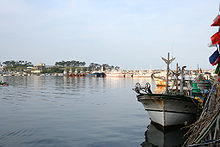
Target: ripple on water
{"x":12,"y":137}
{"x":60,"y":111}
{"x":46,"y":142}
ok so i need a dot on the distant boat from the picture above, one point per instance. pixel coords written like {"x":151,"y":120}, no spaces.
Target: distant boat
{"x":202,"y":82}
{"x":98,"y":74}
{"x":143,"y":75}
{"x":115,"y":74}
{"x":159,"y":78}
{"x":160,"y":82}
{"x":169,"y":109}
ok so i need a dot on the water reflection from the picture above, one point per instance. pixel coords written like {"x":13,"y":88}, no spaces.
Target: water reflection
{"x":171,"y":137}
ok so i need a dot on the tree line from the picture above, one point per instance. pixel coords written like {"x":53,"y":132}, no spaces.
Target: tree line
{"x":12,"y":64}
{"x":91,"y":67}
{"x":15,"y":64}
{"x":95,"y":66}
{"x":70,"y":63}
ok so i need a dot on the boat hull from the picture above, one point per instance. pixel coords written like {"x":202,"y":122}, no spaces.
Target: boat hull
{"x":167,"y":110}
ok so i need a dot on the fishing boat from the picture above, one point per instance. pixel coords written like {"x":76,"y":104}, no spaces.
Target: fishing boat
{"x":169,"y":108}
{"x":115,"y":73}
{"x":160,"y":82}
{"x":143,"y":74}
{"x":98,"y":74}
{"x":202,"y":82}
{"x":159,"y":78}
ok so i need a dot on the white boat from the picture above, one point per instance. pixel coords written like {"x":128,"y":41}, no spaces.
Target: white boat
{"x":169,"y":109}
{"x":144,"y":75}
{"x":115,"y":73}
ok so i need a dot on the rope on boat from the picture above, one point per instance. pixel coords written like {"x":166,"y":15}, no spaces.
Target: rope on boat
{"x":210,"y":94}
{"x":207,"y":123}
{"x":205,"y":107}
{"x":205,"y":143}
{"x":207,"y":128}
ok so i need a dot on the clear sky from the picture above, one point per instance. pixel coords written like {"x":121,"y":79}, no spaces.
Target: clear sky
{"x":133,"y":34}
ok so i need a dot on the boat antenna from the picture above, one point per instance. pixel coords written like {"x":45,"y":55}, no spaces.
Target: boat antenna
{"x":168,"y":61}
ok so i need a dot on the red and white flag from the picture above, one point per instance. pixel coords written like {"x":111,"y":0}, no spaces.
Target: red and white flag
{"x":216,"y":21}
{"x":216,"y":38}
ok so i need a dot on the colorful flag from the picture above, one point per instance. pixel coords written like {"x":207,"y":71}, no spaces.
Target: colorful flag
{"x":200,"y":70}
{"x":217,"y":69}
{"x":218,"y":77}
{"x":214,"y":58}
{"x":216,"y":21}
{"x":216,"y":38}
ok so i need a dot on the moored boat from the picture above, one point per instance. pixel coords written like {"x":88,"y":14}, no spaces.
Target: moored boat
{"x":202,"y":82}
{"x":160,"y":82}
{"x":174,"y":107}
{"x":115,"y":74}
{"x":144,"y":75}
{"x":98,"y":74}
{"x":168,"y":110}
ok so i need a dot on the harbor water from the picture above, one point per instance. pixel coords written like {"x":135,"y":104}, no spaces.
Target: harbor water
{"x":83,"y":112}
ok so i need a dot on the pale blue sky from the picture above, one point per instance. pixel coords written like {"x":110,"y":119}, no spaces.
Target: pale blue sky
{"x":133,"y":34}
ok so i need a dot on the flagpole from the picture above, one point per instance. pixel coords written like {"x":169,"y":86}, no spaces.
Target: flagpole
{"x":217,"y":45}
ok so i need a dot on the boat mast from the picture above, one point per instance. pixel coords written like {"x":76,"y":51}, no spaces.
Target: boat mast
{"x":168,"y":62}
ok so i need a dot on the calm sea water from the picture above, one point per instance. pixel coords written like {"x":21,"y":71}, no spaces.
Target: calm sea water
{"x":82,"y":112}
